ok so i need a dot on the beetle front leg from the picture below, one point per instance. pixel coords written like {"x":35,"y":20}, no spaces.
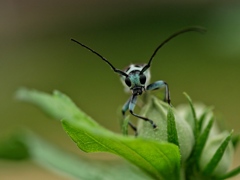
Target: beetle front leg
{"x":161,"y":84}
{"x":124,"y":109}
{"x":132,"y":105}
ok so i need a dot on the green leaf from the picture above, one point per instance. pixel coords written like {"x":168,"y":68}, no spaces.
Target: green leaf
{"x":171,"y":128}
{"x":202,"y":141}
{"x":193,"y":163}
{"x":57,"y":106}
{"x":13,"y":149}
{"x":236,"y":140}
{"x":125,"y":126}
{"x":217,"y":156}
{"x":196,"y":129}
{"x":161,"y":160}
{"x":59,"y":161}
{"x":230,"y":174}
{"x":203,"y":117}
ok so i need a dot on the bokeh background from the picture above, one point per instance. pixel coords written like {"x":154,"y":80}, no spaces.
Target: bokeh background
{"x":36,"y":52}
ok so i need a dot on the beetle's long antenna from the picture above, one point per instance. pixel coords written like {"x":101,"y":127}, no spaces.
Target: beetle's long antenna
{"x":196,"y":29}
{"x":103,"y":58}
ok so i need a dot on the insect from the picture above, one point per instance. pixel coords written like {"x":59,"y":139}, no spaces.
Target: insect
{"x":136,"y":78}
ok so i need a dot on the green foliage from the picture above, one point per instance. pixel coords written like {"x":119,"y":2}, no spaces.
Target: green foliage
{"x":13,"y":149}
{"x":185,"y":145}
{"x":124,"y":126}
{"x":57,"y":106}
{"x":230,"y":174}
{"x":196,"y":124}
{"x":200,"y":144}
{"x":217,"y":156}
{"x":159,"y":112}
{"x":160,"y":160}
{"x":236,"y":140}
{"x":208,"y":148}
{"x":171,"y":128}
{"x":51,"y":157}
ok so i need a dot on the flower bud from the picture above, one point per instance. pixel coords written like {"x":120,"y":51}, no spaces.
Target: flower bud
{"x":214,"y":140}
{"x":209,"y":150}
{"x":156,"y":110}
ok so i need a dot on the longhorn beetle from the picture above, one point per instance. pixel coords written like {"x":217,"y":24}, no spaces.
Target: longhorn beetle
{"x":136,"y":77}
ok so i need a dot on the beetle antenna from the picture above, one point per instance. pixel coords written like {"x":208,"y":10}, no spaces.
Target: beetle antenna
{"x":103,"y":58}
{"x":196,"y":29}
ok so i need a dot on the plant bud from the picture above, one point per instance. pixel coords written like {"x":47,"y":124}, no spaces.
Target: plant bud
{"x":214,"y":140}
{"x":156,"y":110}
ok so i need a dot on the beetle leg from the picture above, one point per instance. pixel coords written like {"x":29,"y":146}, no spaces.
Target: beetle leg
{"x":161,"y":84}
{"x":124,"y":109}
{"x":132,"y":105}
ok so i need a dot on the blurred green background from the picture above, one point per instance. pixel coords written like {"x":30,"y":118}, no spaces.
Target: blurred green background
{"x":36,"y":52}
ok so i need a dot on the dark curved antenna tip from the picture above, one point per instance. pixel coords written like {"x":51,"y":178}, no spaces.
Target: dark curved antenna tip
{"x":103,"y":58}
{"x":189,"y":29}
{"x":197,"y":29}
